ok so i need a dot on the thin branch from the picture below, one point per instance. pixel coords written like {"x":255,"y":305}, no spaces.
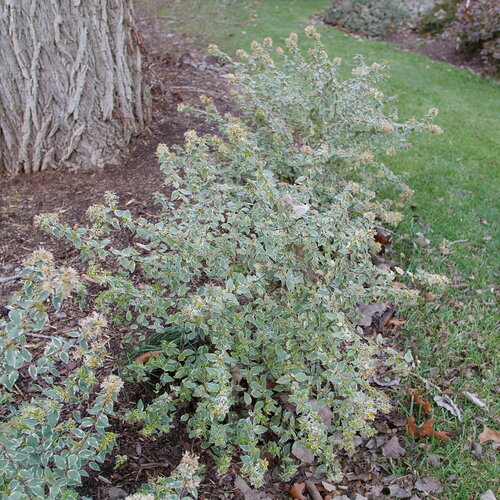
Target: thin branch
{"x":10,"y":278}
{"x":313,"y":491}
{"x":451,"y":405}
{"x":194,"y":89}
{"x":40,"y":336}
{"x":426,"y":381}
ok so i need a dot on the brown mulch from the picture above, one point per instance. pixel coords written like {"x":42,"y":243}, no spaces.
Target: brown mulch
{"x":174,"y":79}
{"x":437,"y":48}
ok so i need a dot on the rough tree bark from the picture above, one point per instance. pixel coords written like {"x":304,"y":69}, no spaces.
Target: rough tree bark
{"x":71,"y":87}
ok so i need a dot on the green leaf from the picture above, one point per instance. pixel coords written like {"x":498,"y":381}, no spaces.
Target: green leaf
{"x":301,"y":377}
{"x":16,"y":316}
{"x":247,"y":398}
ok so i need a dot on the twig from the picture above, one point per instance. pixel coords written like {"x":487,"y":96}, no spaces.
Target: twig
{"x":445,"y":397}
{"x":152,"y":465}
{"x":40,"y":336}
{"x":311,"y":488}
{"x":457,"y":241}
{"x":10,"y":278}
{"x":426,"y":381}
{"x":194,"y":89}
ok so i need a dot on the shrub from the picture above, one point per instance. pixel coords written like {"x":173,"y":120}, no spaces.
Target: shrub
{"x":49,"y":437}
{"x":436,"y":19}
{"x":369,"y":17}
{"x":261,"y":255}
{"x":182,"y":484}
{"x":477,"y":27}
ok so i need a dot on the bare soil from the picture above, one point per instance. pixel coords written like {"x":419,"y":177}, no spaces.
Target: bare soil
{"x":437,"y":48}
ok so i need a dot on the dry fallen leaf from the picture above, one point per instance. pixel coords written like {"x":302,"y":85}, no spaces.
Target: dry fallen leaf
{"x":326,"y":415}
{"x":397,"y":492}
{"x":474,"y":448}
{"x":421,"y":240}
{"x":487,"y":495}
{"x":416,"y":396}
{"x":396,"y":323}
{"x":426,"y":429}
{"x":383,"y":235}
{"x":328,"y":486}
{"x":489,"y":435}
{"x":146,"y":356}
{"x":387,"y":381}
{"x":398,"y":285}
{"x":473,"y":398}
{"x":447,"y":403}
{"x":297,"y":490}
{"x":304,"y":455}
{"x":429,"y":485}
{"x":236,"y":373}
{"x":247,"y":492}
{"x":434,"y":460}
{"x":369,"y":311}
{"x":392,"y":449}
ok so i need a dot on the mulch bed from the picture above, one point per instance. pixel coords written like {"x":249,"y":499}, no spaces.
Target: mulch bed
{"x":436,"y":47}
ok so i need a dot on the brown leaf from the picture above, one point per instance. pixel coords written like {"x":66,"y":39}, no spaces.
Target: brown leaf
{"x":386,"y":381}
{"x":421,"y":240}
{"x":447,"y":403}
{"x":297,"y":490}
{"x":326,"y":415}
{"x":475,"y":448}
{"x":411,"y":427}
{"x":247,"y":492}
{"x":433,"y":460}
{"x":441,"y":435}
{"x":383,"y":235}
{"x":392,"y":449}
{"x":236,"y":373}
{"x":425,"y":405}
{"x":487,"y":495}
{"x":473,"y":398}
{"x":396,"y":323}
{"x":397,"y":492}
{"x":304,"y":455}
{"x":328,"y":486}
{"x":146,"y":356}
{"x":369,"y":311}
{"x":489,"y":435}
{"x":426,"y":429}
{"x":429,"y":485}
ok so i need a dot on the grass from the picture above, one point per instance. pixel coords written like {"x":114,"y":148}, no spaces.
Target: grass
{"x":455,"y":177}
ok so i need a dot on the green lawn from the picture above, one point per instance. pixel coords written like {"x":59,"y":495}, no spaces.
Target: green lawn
{"x":456,"y":179}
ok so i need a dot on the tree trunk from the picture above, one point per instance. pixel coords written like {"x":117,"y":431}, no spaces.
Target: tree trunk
{"x":71,"y":88}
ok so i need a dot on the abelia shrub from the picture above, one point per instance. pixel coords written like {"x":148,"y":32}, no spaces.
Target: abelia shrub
{"x":182,"y":484}
{"x":261,"y":255}
{"x":51,"y":435}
